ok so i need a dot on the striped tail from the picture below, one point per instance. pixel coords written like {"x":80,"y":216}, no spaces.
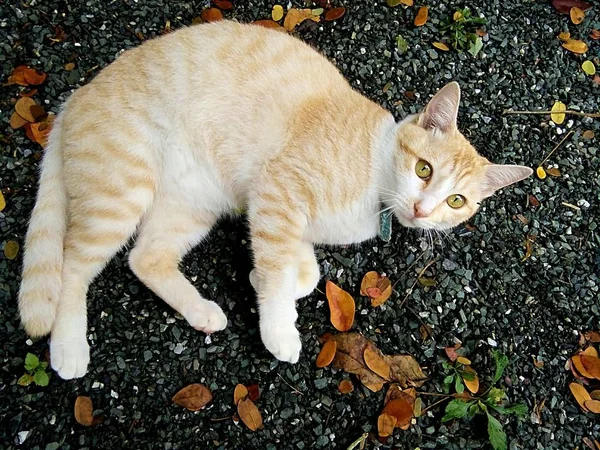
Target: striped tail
{"x":43,"y":257}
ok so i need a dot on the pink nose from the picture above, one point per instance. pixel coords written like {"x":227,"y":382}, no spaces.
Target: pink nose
{"x":420,"y":213}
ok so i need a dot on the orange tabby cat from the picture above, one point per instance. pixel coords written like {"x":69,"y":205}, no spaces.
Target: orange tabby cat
{"x":193,"y":125}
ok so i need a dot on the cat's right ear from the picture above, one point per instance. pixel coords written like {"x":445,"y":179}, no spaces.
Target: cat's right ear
{"x":442,"y":110}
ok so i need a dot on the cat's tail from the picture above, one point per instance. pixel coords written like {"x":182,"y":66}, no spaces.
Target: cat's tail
{"x":43,"y":257}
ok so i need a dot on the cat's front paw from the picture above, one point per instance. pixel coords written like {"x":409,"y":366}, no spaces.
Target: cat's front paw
{"x":69,"y":353}
{"x":283,"y":341}
{"x":206,"y":316}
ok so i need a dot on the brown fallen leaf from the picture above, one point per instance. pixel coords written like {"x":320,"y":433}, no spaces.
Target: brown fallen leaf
{"x":591,"y":351}
{"x":25,"y":76}
{"x":326,"y":354}
{"x":588,"y":135}
{"x":394,"y":3}
{"x":421,"y":17}
{"x":595,"y":35}
{"x":564,"y":36}
{"x":69,"y":66}
{"x":377,"y":287}
{"x":38,"y":112}
{"x":577,"y":15}
{"x":451,"y":352}
{"x":592,"y":336}
{"x":335,"y":13}
{"x":253,"y":392}
{"x":269,"y":24}
{"x":533,"y":201}
{"x":593,"y":406}
{"x":370,"y":380}
{"x":307,"y":14}
{"x":425,"y":331}
{"x":193,"y":397}
{"x":16,"y":121}
{"x":564,"y":6}
{"x":23,"y":108}
{"x":249,"y":414}
{"x":11,"y":250}
{"x":374,"y":361}
{"x":575,"y":46}
{"x":591,"y":365}
{"x":84,"y":411}
{"x":385,"y":425}
{"x":240,"y":392}
{"x":41,"y":130}
{"x":345,"y":387}
{"x":225,"y":5}
{"x":402,"y":409}
{"x":406,"y":370}
{"x":595,"y":394}
{"x":341,"y":306}
{"x":29,"y":93}
{"x":553,"y":171}
{"x":291,"y":19}
{"x":580,"y":394}
{"x":471,"y":384}
{"x":211,"y":15}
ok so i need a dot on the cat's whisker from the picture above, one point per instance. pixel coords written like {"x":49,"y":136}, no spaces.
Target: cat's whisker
{"x":381,"y":211}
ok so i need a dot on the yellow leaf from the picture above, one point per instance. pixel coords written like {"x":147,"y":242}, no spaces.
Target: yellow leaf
{"x":385,"y":425}
{"x":564,"y":36}
{"x":291,"y":19}
{"x":2,"y":201}
{"x":540,"y":172}
{"x":277,"y":13}
{"x":589,"y":68}
{"x":576,"y":46}
{"x":441,"y":46}
{"x":464,"y":361}
{"x":11,"y":249}
{"x":557,"y":116}
{"x":472,"y":385}
{"x":457,"y":16}
{"x":577,"y":15}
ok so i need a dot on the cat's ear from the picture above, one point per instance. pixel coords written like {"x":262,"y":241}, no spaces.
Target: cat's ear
{"x":442,"y":110}
{"x":498,"y":176}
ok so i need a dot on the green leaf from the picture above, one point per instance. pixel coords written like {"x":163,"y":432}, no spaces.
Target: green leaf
{"x":496,"y":433}
{"x":496,"y":395}
{"x":469,"y":376}
{"x":44,"y":365}
{"x":473,"y":409}
{"x":402,"y":44}
{"x":519,"y":410}
{"x":31,"y":362}
{"x":456,"y":409}
{"x":501,"y":361}
{"x":41,"y":378}
{"x":459,"y":385}
{"x":25,"y":380}
{"x":476,"y":46}
{"x":449,"y":379}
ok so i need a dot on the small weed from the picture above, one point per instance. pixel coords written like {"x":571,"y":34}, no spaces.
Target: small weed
{"x":461,"y":29}
{"x":36,"y":372}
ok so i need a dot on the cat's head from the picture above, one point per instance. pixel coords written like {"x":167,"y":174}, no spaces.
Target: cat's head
{"x":439,"y":178}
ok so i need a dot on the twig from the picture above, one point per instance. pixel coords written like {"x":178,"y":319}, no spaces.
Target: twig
{"x":568,"y":111}
{"x":220,"y":419}
{"x":408,"y":268}
{"x":296,"y":391}
{"x":360,"y":440}
{"x":423,"y":411}
{"x":416,"y":281}
{"x":569,"y":205}
{"x":556,"y":147}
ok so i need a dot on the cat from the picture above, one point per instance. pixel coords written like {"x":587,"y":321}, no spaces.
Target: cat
{"x":209,"y":119}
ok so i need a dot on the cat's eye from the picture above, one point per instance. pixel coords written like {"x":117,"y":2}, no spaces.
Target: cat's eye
{"x":423,"y":169}
{"x":455,"y":201}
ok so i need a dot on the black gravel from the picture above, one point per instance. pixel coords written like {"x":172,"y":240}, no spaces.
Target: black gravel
{"x":486,"y":296}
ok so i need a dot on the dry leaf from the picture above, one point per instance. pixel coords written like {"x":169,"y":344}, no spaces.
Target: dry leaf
{"x":240,"y":392}
{"x":11,"y":250}
{"x":23,"y":108}
{"x":592,"y":336}
{"x":84,"y":411}
{"x":595,"y":395}
{"x":386,"y":425}
{"x":394,"y":3}
{"x":69,"y":66}
{"x":225,"y":5}
{"x":451,"y":352}
{"x":564,"y":6}
{"x":253,"y":392}
{"x":577,"y":15}
{"x":441,"y":46}
{"x":533,"y":201}
{"x":269,"y":24}
{"x":326,"y":354}
{"x":421,"y":17}
{"x":593,"y":406}
{"x":211,"y":15}
{"x":553,"y":171}
{"x":2,"y":201}
{"x":418,"y":407}
{"x":540,"y":172}
{"x":291,"y":19}
{"x":591,"y":351}
{"x":41,"y":130}
{"x":588,"y":135}
{"x":426,"y":331}
{"x":345,"y":387}
{"x":595,"y":35}
{"x":335,"y":13}
{"x":25,"y":76}
{"x":29,"y":93}
{"x":524,"y":220}
{"x":38,"y":112}
{"x":375,"y":362}
{"x":464,"y":361}
{"x":472,"y":385}
{"x":16,"y":121}
{"x":377,"y":287}
{"x":402,"y":409}
{"x":405,"y":370}
{"x":557,"y":116}
{"x":591,"y":365}
{"x":193,"y":397}
{"x":581,"y":394}
{"x":575,"y":46}
{"x":249,"y":414}
{"x":277,"y":13}
{"x":307,"y":14}
{"x":564,"y":36}
{"x":341,"y":306}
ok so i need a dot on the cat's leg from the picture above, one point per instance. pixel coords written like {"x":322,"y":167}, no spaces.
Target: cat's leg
{"x":166,"y":235}
{"x":276,"y":234}
{"x":308,"y":272}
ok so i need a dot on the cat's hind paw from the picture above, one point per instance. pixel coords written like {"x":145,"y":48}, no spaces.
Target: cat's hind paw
{"x":282,"y":341}
{"x":69,"y":355}
{"x":207,"y":317}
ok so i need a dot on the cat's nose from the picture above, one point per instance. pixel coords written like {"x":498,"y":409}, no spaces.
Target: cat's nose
{"x":419,"y":211}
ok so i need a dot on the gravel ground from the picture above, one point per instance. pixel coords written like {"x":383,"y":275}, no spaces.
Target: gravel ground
{"x":486,"y":295}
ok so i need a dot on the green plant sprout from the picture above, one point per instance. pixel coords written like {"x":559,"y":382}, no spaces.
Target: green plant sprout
{"x":461,"y":30}
{"x":36,"y":372}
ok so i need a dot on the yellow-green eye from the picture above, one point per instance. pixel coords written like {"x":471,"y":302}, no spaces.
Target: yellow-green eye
{"x":423,"y":169}
{"x":455,"y":201}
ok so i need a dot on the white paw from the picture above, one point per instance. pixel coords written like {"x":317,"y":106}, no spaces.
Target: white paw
{"x":206,"y":316}
{"x":69,"y":354}
{"x":282,"y":341}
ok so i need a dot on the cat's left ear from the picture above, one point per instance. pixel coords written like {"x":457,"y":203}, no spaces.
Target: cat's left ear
{"x":442,"y":110}
{"x":498,"y":176}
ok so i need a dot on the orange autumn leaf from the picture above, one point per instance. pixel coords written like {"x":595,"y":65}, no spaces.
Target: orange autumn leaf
{"x":592,"y":336}
{"x":377,"y":287}
{"x":576,"y":361}
{"x":249,"y":414}
{"x":23,"y":108}
{"x":593,"y":406}
{"x":307,"y":14}
{"x":580,"y":394}
{"x":25,"y":76}
{"x":385,"y":425}
{"x":239,"y":393}
{"x":345,"y":387}
{"x":564,"y":36}
{"x":225,"y":5}
{"x":591,"y":365}
{"x":326,"y":354}
{"x":575,"y":46}
{"x":341,"y":305}
{"x":376,"y":363}
{"x":253,"y":392}
{"x":473,"y":384}
{"x":595,"y":35}
{"x":193,"y":397}
{"x":335,"y":13}
{"x":16,"y":121}
{"x":591,"y":351}
{"x":211,"y":15}
{"x":402,"y":409}
{"x":28,"y":132}
{"x":268,"y":24}
{"x":421,"y":17}
{"x":84,"y":411}
{"x":292,"y":19}
{"x":29,"y":93}
{"x":577,"y":15}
